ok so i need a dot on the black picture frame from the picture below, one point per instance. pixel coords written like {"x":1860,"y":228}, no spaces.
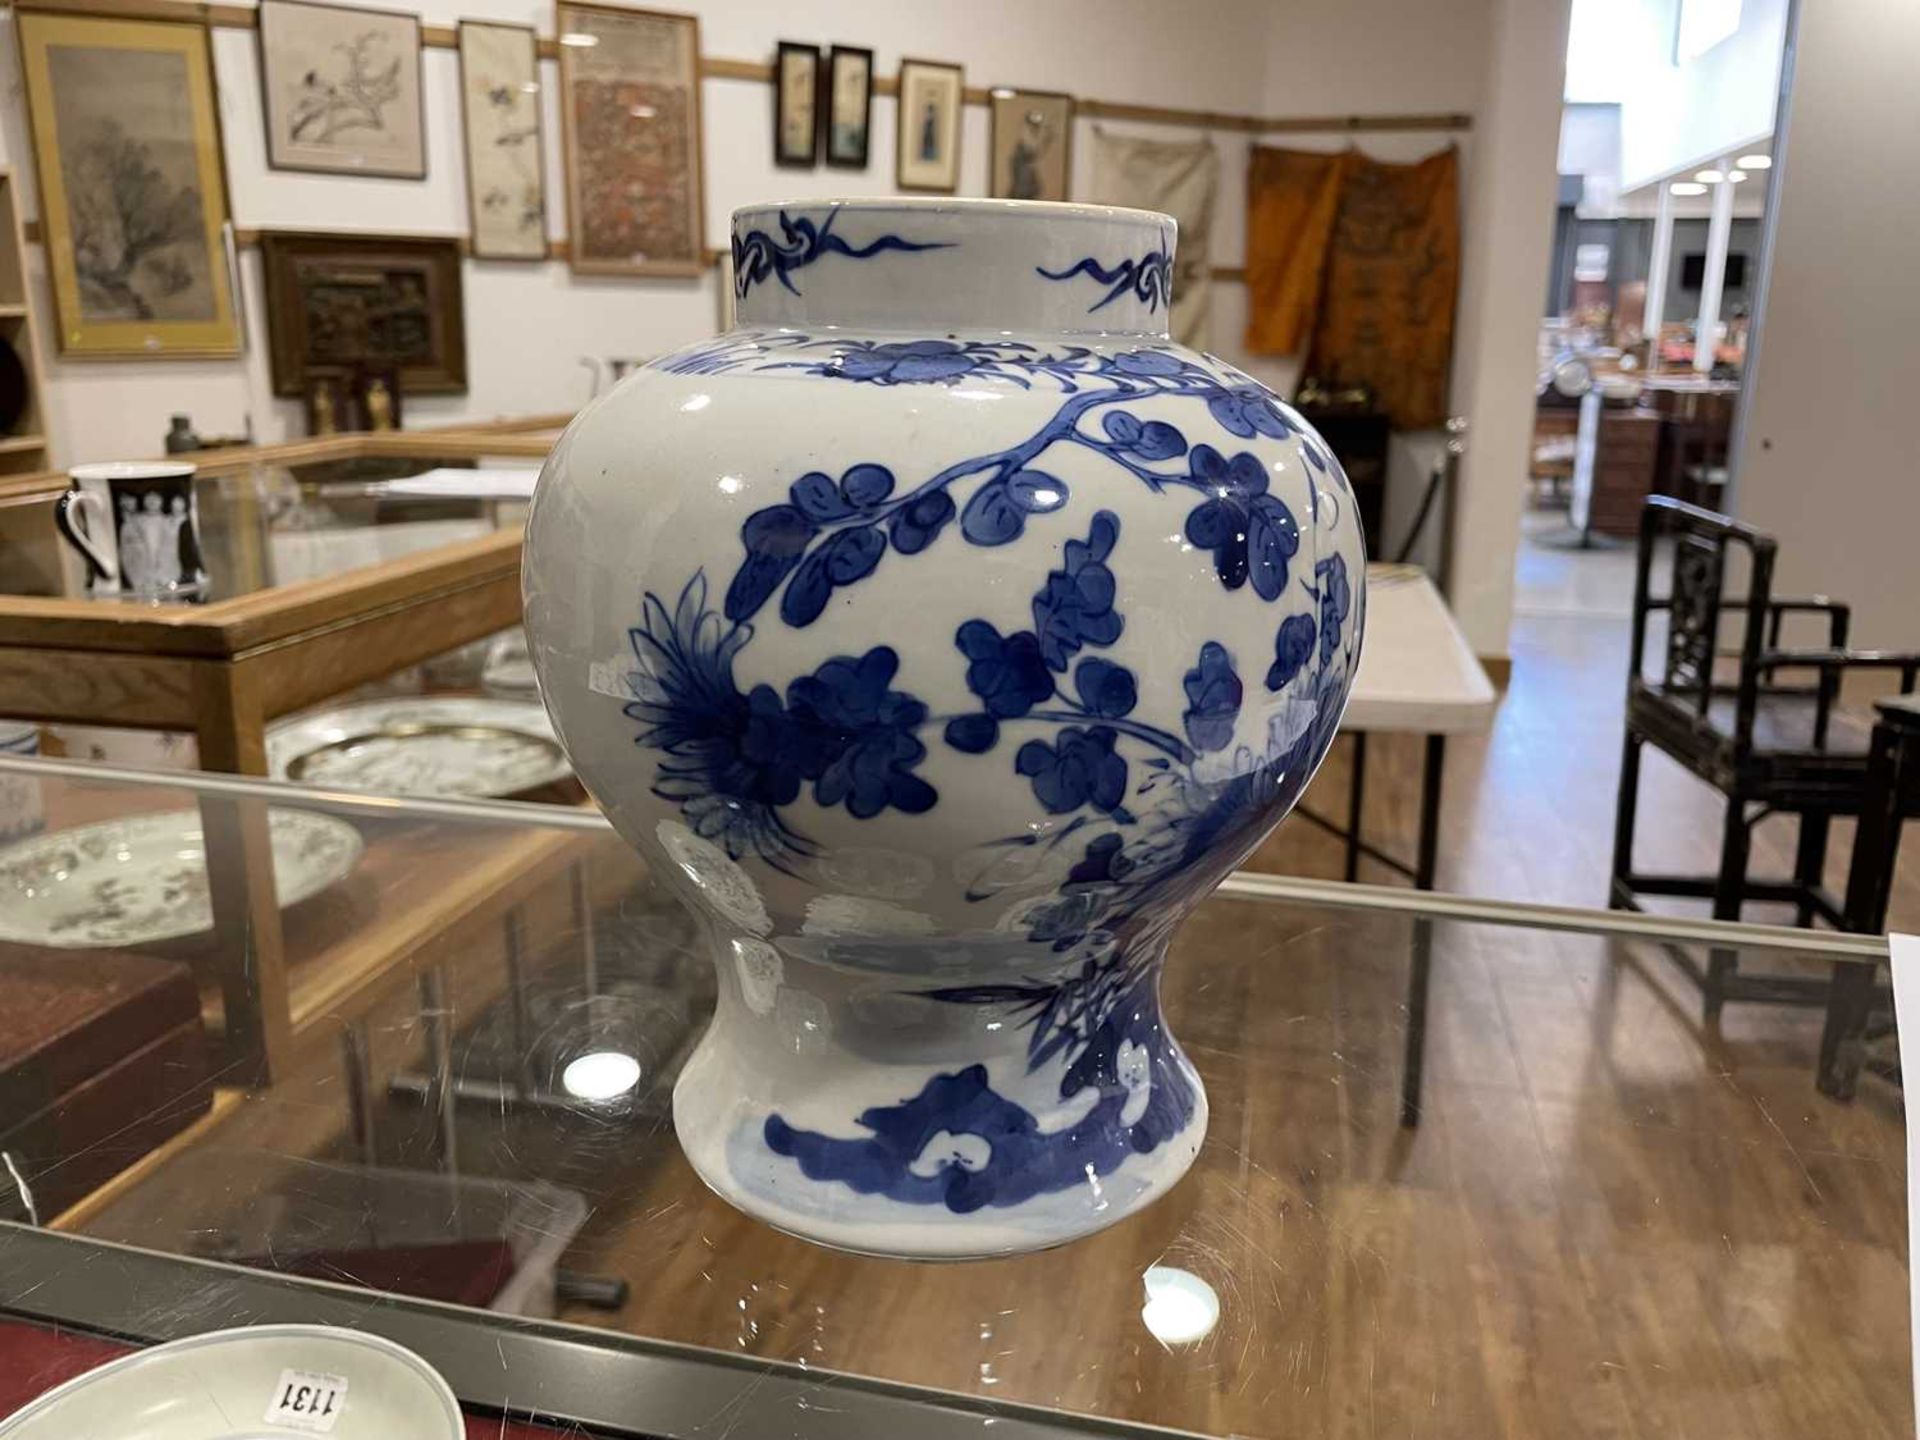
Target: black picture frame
{"x":950,"y":184}
{"x":834,"y":159}
{"x":783,"y":96}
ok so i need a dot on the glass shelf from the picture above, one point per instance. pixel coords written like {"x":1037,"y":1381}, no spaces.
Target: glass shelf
{"x":1608,"y":1219}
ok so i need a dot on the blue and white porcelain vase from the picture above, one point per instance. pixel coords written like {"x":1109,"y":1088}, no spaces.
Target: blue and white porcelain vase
{"x":946,"y":633}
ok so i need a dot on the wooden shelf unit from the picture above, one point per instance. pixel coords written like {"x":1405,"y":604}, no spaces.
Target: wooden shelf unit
{"x":23,"y":448}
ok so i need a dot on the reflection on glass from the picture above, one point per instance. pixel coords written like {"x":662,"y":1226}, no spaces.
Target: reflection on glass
{"x":1181,"y":1307}
{"x":600,"y":1075}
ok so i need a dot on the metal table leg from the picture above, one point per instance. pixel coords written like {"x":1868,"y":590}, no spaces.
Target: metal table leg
{"x":1433,"y":770}
{"x":1356,"y":794}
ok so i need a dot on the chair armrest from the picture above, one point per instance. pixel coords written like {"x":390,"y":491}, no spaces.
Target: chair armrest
{"x":1906,"y":661}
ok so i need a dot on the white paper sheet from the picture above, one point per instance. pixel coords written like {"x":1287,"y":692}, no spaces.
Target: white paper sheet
{"x":1906,"y":1016}
{"x":452,"y":484}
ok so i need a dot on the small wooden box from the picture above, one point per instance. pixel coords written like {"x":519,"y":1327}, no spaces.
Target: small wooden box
{"x":91,"y":1042}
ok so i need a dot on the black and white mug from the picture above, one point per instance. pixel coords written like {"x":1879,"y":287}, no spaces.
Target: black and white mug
{"x":136,"y":526}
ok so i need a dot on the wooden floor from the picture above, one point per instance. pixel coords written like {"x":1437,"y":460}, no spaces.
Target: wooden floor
{"x":1613,"y":1221}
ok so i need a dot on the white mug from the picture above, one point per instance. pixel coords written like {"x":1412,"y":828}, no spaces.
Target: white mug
{"x":136,"y":526}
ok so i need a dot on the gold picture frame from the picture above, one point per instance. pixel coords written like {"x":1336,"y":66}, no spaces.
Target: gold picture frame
{"x":630,"y":127}
{"x":123,"y":114}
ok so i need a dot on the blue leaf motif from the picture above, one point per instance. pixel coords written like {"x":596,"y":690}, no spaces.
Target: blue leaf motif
{"x":1160,"y":441}
{"x":776,"y":538}
{"x":818,"y":498}
{"x":866,"y":485}
{"x":974,"y":734}
{"x":1036,"y":492}
{"x":807,"y":594}
{"x":1121,"y":427}
{"x":1272,"y":540}
{"x":852,"y":554}
{"x":1291,"y":647}
{"x":992,"y":517}
{"x":915,"y":525}
{"x":1213,"y":698}
{"x":1105,"y":689}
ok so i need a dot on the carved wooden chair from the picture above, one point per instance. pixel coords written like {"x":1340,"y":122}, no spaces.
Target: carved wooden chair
{"x":1731,"y":715}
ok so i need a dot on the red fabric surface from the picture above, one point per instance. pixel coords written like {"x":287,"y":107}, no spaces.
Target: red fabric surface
{"x":35,"y":1358}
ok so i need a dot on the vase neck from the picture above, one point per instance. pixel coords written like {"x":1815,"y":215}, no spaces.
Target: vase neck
{"x":926,"y":266}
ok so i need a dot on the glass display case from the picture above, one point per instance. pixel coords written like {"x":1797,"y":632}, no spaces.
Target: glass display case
{"x":1603,"y":1219}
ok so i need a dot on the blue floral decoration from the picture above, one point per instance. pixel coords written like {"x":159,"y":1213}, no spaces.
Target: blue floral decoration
{"x":1336,"y":599}
{"x":1292,"y":644}
{"x":1251,"y":533}
{"x":1079,"y":768}
{"x":1076,"y":606}
{"x":1213,"y":698}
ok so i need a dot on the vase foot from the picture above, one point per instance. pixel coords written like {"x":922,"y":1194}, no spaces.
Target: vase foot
{"x":937,"y":1146}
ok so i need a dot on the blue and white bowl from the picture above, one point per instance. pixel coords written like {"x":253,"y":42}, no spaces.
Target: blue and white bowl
{"x":947,"y":632}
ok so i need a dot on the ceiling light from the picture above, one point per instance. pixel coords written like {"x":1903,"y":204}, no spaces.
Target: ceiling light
{"x":1755,"y":162}
{"x":1734,"y":177}
{"x":1708,"y":177}
{"x":600,"y":1075}
{"x":1686,"y":187}
{"x":579,"y":40}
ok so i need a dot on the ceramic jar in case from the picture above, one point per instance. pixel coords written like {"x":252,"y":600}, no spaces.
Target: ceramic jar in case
{"x":946,"y":633}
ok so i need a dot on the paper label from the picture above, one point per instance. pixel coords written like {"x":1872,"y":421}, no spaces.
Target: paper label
{"x":307,"y":1400}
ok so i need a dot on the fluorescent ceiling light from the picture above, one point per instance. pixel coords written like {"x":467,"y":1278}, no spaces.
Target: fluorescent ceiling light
{"x":1755,"y":162}
{"x":1734,"y":177}
{"x":1687,"y":187}
{"x":1708,"y":177}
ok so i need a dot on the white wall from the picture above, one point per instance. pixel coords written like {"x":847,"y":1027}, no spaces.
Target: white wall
{"x":1510,"y":208}
{"x":1678,"y":117}
{"x":1825,"y":460}
{"x":528,"y":324}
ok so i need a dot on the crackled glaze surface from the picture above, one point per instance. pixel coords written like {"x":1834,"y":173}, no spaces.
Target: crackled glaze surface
{"x":949,"y":632}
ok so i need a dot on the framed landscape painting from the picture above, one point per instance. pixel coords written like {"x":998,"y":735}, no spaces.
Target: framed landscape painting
{"x":342,"y":89}
{"x":506,"y":177}
{"x":133,"y":201}
{"x":630,"y":103}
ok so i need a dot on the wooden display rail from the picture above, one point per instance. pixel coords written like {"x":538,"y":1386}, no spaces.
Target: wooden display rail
{"x":245,"y":17}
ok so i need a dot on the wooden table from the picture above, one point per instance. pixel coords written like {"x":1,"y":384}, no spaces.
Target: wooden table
{"x":1417,"y":676}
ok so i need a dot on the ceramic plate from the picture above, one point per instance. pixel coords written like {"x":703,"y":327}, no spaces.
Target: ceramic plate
{"x":130,"y":882}
{"x":261,"y":1383}
{"x":442,"y":746}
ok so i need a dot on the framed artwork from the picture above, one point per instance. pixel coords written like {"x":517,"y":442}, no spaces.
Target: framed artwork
{"x":340,"y":307}
{"x":133,"y":196}
{"x":1032,"y":145}
{"x":500,"y":110}
{"x":630,"y":102}
{"x":928,"y":141}
{"x":796,"y":106}
{"x":342,"y":89}
{"x":849,"y":106}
